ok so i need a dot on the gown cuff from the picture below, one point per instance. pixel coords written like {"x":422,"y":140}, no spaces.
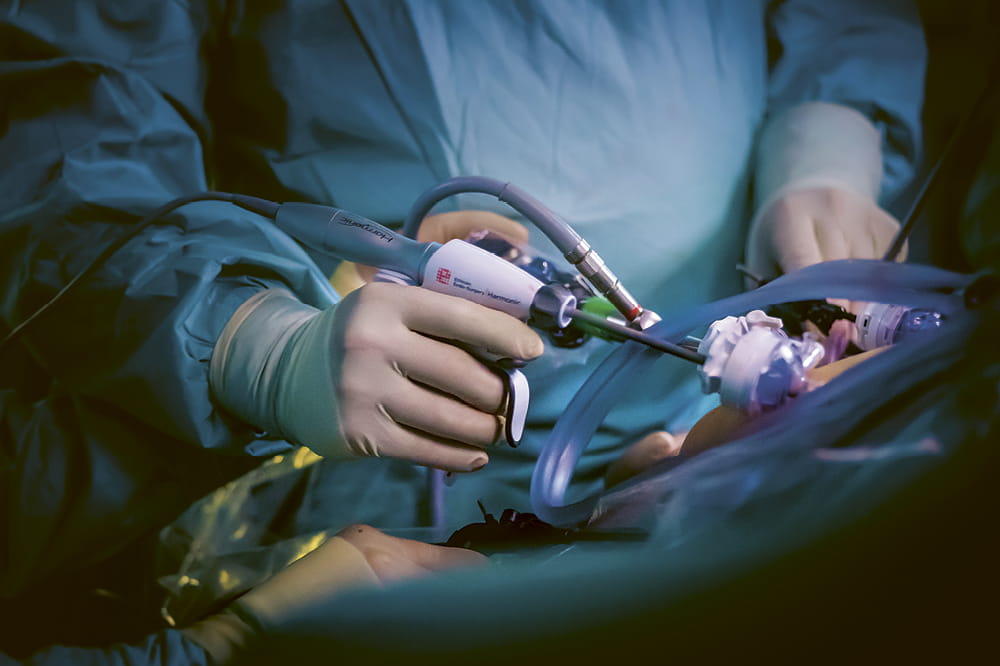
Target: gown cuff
{"x":818,"y":144}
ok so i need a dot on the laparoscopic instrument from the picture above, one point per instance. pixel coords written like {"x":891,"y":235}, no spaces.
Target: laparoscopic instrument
{"x":457,"y":268}
{"x":749,"y":360}
{"x":751,"y":363}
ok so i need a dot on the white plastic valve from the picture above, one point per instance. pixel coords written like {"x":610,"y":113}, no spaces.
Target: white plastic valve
{"x":753,"y":364}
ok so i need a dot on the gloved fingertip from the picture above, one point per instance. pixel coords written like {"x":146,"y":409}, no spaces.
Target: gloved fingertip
{"x":791,"y":265}
{"x":479,"y":462}
{"x":533,"y":347}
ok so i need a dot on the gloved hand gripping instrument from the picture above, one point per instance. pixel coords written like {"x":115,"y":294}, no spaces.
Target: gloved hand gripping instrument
{"x":456,"y":268}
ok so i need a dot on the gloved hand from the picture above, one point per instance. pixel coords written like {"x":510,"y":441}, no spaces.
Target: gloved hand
{"x":380,"y":374}
{"x":810,"y":225}
{"x":819,"y":169}
{"x":357,"y":557}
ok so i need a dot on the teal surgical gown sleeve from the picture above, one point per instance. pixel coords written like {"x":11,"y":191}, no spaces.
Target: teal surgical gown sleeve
{"x":106,"y":423}
{"x":869,"y":56}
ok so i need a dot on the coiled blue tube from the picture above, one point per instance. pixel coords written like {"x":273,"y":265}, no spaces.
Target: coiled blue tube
{"x":869,"y":280}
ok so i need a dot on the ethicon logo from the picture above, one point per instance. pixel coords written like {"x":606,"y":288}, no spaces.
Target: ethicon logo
{"x":443,"y":276}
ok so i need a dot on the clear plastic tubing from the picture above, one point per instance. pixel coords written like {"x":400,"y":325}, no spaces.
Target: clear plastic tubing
{"x":860,"y":280}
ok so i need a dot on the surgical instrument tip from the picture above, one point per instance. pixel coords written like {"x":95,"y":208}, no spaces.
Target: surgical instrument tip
{"x":623,"y":331}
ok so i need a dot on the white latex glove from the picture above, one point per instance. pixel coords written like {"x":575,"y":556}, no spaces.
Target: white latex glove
{"x":357,"y":557}
{"x":376,"y":375}
{"x":819,"y":169}
{"x":806,"y":226}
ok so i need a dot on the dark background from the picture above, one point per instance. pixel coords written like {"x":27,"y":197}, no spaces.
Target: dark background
{"x":963,"y":40}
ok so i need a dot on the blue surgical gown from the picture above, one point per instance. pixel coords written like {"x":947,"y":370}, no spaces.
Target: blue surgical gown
{"x":633,"y":120}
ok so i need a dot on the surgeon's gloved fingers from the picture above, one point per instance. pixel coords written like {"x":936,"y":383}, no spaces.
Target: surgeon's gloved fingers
{"x":454,"y":371}
{"x":806,"y":226}
{"x":800,"y":240}
{"x":323,"y":378}
{"x":884,"y":228}
{"x":375,"y":394}
{"x":450,"y":318}
{"x":377,"y":435}
{"x":440,"y":416}
{"x":433,"y":452}
{"x":878,"y":231}
{"x":833,"y":240}
{"x":444,"y":227}
{"x":792,"y":241}
{"x":778,"y":220}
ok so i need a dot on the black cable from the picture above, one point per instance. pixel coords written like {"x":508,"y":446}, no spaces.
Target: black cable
{"x":260,"y":206}
{"x":638,"y":336}
{"x":917,"y":206}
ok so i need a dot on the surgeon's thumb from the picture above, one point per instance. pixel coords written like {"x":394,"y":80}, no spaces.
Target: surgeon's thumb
{"x":522,"y":341}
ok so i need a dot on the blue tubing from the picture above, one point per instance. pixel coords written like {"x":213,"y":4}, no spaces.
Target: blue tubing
{"x":860,"y":280}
